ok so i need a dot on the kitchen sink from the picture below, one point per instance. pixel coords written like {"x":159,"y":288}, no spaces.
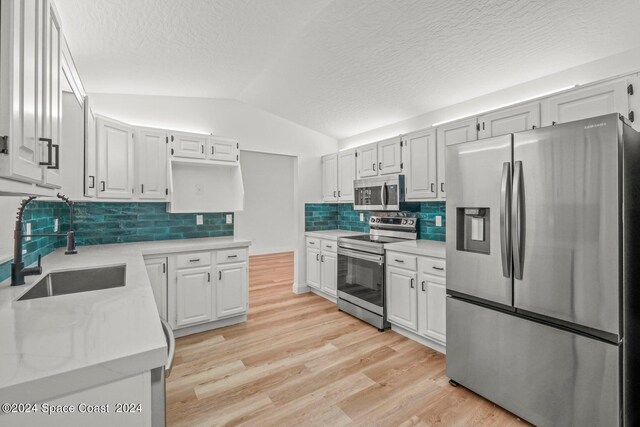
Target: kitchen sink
{"x":74,"y":281}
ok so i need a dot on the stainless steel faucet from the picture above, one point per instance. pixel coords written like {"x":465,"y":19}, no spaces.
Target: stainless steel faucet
{"x":18,"y":270}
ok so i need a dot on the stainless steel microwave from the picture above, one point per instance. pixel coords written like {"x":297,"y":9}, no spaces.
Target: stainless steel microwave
{"x":381,"y":193}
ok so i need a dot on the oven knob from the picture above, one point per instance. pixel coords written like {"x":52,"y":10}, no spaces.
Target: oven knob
{"x":372,"y":219}
{"x":377,"y":219}
{"x":410,"y":222}
{"x":404,"y":222}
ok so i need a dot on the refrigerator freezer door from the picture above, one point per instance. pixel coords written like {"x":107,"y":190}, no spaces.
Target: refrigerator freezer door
{"x":568,"y":238}
{"x":477,"y":204}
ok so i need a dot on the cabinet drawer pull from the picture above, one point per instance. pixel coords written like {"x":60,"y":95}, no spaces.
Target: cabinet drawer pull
{"x":423,"y":283}
{"x":328,"y":246}
{"x":312,"y":243}
{"x":399,"y":260}
{"x":232,"y":256}
{"x":438,"y":268}
{"x":194,"y":260}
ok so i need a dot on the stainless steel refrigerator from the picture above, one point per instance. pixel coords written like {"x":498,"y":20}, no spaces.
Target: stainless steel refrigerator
{"x":543,"y":260}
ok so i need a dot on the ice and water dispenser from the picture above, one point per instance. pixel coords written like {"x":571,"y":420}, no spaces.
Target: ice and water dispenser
{"x":472,"y":230}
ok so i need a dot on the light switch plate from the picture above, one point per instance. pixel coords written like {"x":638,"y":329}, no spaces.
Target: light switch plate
{"x":438,"y":221}
{"x":229,"y":219}
{"x":361,"y":216}
{"x":28,"y":231}
{"x":56,"y":225}
{"x":199,"y":220}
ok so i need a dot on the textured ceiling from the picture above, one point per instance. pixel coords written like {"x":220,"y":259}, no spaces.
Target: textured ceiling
{"x":344,"y":66}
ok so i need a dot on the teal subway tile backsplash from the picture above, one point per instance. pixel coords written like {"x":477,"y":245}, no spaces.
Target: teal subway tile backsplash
{"x":107,"y":222}
{"x":342,"y":216}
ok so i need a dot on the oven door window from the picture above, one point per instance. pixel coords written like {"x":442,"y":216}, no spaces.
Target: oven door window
{"x":361,"y":278}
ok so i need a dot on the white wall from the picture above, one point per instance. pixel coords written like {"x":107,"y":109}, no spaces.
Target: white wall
{"x":268,"y":218}
{"x":614,"y":65}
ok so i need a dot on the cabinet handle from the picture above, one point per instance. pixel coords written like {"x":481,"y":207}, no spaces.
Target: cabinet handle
{"x":103,"y":185}
{"x":438,"y":268}
{"x":338,"y":193}
{"x":213,"y":150}
{"x":317,"y":257}
{"x":328,"y":246}
{"x":56,"y":165}
{"x":312,"y":243}
{"x":164,"y":268}
{"x":432,"y":189}
{"x":423,"y":286}
{"x":232,"y":256}
{"x":194,"y":260}
{"x":208,"y":277}
{"x":412,"y":283}
{"x":93,"y":181}
{"x":142,"y":188}
{"x":380,"y":166}
{"x":322,"y":258}
{"x":220,"y":275}
{"x":374,"y":166}
{"x":202,"y":149}
{"x":399,"y":260}
{"x":442,"y":187}
{"x":334,"y":193}
{"x":49,"y":149}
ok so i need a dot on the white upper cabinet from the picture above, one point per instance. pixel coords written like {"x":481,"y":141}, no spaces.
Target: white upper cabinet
{"x":115,"y":159}
{"x":421,"y":165}
{"x":346,"y":175}
{"x":90,"y":151}
{"x":594,"y":100}
{"x":188,"y":145}
{"x":223,"y":149}
{"x":461,"y":131}
{"x":510,"y":120}
{"x":441,"y":153}
{"x":151,"y":163}
{"x":367,"y":160}
{"x":390,"y":156}
{"x":330,"y":178}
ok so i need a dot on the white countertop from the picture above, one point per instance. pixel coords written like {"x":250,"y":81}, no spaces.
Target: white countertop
{"x":332,"y":234}
{"x":56,"y":345}
{"x":430,"y":248}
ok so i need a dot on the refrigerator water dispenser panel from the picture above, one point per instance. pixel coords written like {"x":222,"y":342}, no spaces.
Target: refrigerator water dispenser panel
{"x":472,"y":230}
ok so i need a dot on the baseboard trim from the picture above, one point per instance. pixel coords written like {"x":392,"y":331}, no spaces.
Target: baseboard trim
{"x":300,"y":289}
{"x":189,"y":330}
{"x":324,"y":295}
{"x":420,"y":339}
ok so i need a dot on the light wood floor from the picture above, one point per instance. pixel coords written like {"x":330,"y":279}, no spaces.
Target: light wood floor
{"x":298,"y":361}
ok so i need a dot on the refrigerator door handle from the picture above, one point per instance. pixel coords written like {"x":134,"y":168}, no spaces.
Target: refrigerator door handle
{"x":505,"y":223}
{"x":517,"y":221}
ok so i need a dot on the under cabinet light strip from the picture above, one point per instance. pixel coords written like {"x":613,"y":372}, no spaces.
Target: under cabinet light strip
{"x":505,"y":105}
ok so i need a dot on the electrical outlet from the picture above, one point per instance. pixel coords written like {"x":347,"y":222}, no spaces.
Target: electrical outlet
{"x":361,"y":216}
{"x":229,"y":219}
{"x":56,"y":225}
{"x":28,"y":231}
{"x":199,"y":220}
{"x":438,"y":221}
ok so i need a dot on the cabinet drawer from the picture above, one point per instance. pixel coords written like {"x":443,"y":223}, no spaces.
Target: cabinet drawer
{"x":313,"y":242}
{"x":231,"y":255}
{"x":432,"y":266}
{"x":396,"y":259}
{"x":197,"y":259}
{"x":329,"y":246}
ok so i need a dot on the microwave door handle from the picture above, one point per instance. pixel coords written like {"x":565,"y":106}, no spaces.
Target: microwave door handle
{"x":383,"y":194}
{"x":505,"y":238}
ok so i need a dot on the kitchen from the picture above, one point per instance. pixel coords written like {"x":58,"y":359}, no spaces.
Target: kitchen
{"x":328,"y":212}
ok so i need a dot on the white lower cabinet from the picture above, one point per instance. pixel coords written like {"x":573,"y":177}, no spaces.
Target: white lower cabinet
{"x":416,"y":297}
{"x":193,"y":296}
{"x":322,"y":265}
{"x":231,"y":290}
{"x":202,"y":290}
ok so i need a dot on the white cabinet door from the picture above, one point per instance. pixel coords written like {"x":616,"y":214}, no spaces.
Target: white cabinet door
{"x":223,"y":149}
{"x":188,"y":145}
{"x":52,"y":99}
{"x":151,"y":163}
{"x":431,"y":307}
{"x":402,"y":298}
{"x":390,"y":156}
{"x":157,"y":272}
{"x":231,"y":290}
{"x":346,"y":175}
{"x":421,"y":165}
{"x":115,"y":159}
{"x":590,"y":101}
{"x":21,"y":96}
{"x":330,"y":178}
{"x":90,"y":151}
{"x":329,"y":273}
{"x":510,"y":120}
{"x":193,"y":296}
{"x":367,"y":160}
{"x":313,"y":268}
{"x":460,"y":131}
{"x":441,"y":152}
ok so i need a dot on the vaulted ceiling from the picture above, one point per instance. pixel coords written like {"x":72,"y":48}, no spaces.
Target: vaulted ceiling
{"x":340,"y":67}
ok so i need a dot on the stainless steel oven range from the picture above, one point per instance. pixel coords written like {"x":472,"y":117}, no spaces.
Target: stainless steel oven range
{"x":361,"y":266}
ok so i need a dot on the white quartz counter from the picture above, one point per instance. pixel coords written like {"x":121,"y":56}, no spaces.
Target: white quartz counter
{"x":332,"y":234}
{"x":56,"y":345}
{"x":430,"y":248}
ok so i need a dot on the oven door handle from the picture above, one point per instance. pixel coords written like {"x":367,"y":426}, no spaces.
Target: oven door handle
{"x":359,"y":255}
